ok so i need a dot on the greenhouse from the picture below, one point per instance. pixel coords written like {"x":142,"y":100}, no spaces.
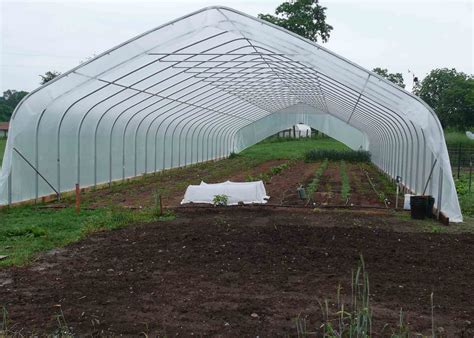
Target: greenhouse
{"x":201,"y":87}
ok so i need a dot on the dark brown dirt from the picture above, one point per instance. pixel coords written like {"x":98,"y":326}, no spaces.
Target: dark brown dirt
{"x":209,"y":270}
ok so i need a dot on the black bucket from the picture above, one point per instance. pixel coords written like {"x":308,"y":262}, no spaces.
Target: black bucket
{"x":418,"y":206}
{"x":430,"y":206}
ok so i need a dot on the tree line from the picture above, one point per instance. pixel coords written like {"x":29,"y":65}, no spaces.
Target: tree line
{"x":450,"y":93}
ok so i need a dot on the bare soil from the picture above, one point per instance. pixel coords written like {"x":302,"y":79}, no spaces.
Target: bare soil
{"x":243,"y":271}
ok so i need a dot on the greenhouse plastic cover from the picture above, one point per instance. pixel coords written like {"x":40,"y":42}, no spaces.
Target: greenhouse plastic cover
{"x":245,"y":192}
{"x":210,"y":83}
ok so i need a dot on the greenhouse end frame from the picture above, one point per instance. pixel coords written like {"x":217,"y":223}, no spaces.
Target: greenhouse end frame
{"x":210,"y":83}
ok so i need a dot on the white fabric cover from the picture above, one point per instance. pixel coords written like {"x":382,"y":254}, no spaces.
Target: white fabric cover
{"x":302,"y":130}
{"x":200,"y":87}
{"x":470,"y":135}
{"x":246,"y":192}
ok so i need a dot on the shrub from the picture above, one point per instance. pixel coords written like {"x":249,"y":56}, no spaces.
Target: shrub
{"x":337,"y":155}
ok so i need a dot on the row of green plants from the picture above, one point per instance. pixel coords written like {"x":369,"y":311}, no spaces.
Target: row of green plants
{"x":267,"y":176}
{"x":313,"y":185}
{"x":346,"y":187}
{"x":338,"y":155}
{"x":356,"y":318}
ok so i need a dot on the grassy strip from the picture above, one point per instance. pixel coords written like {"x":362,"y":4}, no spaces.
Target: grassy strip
{"x":288,"y":150}
{"x":454,"y":138}
{"x":27,"y":230}
{"x":337,"y":155}
{"x":346,"y":187}
{"x":313,"y":185}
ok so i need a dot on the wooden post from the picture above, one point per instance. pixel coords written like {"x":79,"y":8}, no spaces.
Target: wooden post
{"x":78,"y":199}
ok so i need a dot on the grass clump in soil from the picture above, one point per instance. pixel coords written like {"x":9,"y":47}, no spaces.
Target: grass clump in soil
{"x":356,"y":318}
{"x":313,"y":185}
{"x":346,"y":187}
{"x":337,"y":155}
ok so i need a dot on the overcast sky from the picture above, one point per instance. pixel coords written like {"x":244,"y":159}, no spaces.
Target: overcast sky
{"x":401,"y":35}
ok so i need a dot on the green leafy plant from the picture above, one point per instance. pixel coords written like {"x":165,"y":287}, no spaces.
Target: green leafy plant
{"x":346,"y":188}
{"x":279,"y":168}
{"x":221,"y":200}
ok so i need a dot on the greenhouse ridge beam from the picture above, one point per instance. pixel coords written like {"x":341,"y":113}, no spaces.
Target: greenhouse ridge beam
{"x":201,"y":87}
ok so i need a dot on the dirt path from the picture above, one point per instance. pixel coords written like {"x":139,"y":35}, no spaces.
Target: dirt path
{"x":208,"y":271}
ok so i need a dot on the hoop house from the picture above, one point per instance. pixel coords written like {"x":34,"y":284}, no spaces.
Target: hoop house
{"x":213,"y":82}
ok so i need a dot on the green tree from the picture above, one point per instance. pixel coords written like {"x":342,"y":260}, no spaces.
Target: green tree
{"x":303,"y":17}
{"x":48,"y":76}
{"x":396,"y":78}
{"x":8,"y":102}
{"x":451,"y":95}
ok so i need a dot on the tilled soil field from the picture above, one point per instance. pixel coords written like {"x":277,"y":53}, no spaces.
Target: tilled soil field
{"x":243,"y":271}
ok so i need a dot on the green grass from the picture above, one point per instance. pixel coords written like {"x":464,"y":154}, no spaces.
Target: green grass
{"x":27,"y":230}
{"x":3,"y":143}
{"x":275,"y":149}
{"x":454,"y":138}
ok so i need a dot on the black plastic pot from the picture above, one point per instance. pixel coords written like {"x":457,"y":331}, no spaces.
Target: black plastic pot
{"x":430,"y":206}
{"x":418,"y":206}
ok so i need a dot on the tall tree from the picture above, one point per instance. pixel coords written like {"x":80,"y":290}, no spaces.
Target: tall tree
{"x":396,"y":78}
{"x":8,"y":102}
{"x":48,"y":76}
{"x":451,"y":94}
{"x":303,"y":17}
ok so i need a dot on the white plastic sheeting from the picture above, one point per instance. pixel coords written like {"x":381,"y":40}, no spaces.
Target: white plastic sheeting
{"x":302,"y":130}
{"x":196,"y":89}
{"x":244,"y":192}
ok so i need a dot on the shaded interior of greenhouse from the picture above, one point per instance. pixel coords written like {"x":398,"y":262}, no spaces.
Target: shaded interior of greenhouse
{"x":203,"y":86}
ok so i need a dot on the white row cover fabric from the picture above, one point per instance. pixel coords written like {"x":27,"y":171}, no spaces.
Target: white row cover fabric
{"x":245,"y":192}
{"x":210,"y":83}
